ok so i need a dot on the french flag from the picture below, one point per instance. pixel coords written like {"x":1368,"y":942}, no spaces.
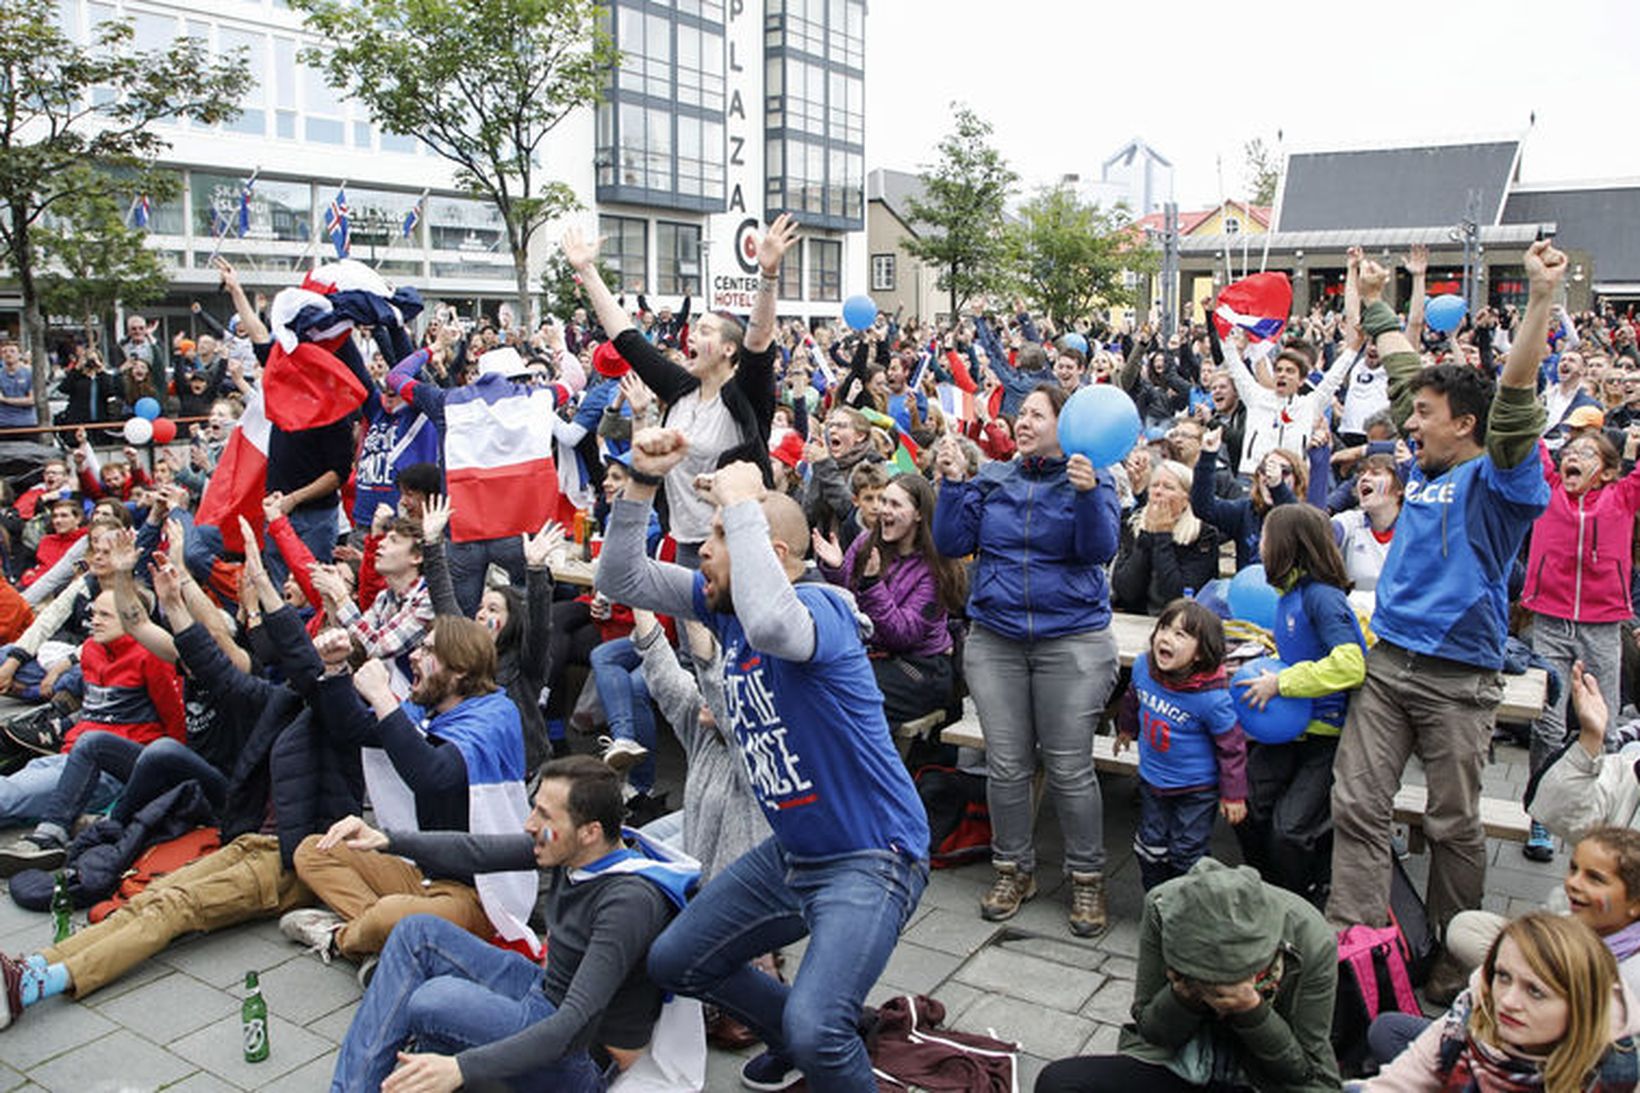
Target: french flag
{"x":498,"y":459}
{"x":1258,"y":304}
{"x":240,"y":480}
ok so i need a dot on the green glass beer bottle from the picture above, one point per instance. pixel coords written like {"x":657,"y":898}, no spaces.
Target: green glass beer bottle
{"x":253,"y":1015}
{"x":62,"y":909}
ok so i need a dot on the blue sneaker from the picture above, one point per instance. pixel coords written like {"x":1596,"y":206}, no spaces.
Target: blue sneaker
{"x":769,"y":1071}
{"x":1540,"y":845}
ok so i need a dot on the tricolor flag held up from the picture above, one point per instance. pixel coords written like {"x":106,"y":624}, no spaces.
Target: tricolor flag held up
{"x":1258,"y":304}
{"x":240,"y":480}
{"x":498,"y":459}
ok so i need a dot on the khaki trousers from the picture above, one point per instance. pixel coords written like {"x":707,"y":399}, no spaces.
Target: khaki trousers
{"x":373,"y":891}
{"x":1442,"y":712}
{"x":241,"y":882}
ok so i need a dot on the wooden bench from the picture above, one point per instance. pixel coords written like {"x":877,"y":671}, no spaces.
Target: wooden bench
{"x":1502,"y":819}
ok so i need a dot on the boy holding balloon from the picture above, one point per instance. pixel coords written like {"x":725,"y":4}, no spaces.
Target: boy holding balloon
{"x":1323,"y":657}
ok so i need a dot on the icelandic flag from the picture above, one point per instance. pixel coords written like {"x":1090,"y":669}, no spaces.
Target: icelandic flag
{"x":140,"y":209}
{"x":498,"y":459}
{"x":336,"y":224}
{"x":1258,"y":304}
{"x":245,"y":207}
{"x":486,"y":731}
{"x":240,"y":480}
{"x":411,"y":219}
{"x":219,"y":223}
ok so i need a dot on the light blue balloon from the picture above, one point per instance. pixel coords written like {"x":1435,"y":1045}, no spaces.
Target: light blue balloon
{"x":1076,"y":342}
{"x":1282,"y":720}
{"x":1252,"y":599}
{"x":1099,"y":422}
{"x":859,"y":312}
{"x":1442,"y":314}
{"x":147,"y":407}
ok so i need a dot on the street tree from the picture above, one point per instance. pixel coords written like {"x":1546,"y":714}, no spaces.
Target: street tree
{"x":62,"y":145}
{"x":480,"y":82}
{"x":1263,"y":171}
{"x":1069,"y":255}
{"x":95,"y":261}
{"x":561,"y":291}
{"x":963,"y":195}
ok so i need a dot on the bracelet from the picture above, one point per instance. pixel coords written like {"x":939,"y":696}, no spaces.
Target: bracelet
{"x":644,"y":478}
{"x":765,"y":283}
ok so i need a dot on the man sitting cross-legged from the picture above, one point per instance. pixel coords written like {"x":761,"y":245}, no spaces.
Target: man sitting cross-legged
{"x":500,"y":1016}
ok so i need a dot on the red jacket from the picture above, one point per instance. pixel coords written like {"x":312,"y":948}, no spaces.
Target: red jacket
{"x":128,"y":691}
{"x":51,"y":549}
{"x":1582,"y":553}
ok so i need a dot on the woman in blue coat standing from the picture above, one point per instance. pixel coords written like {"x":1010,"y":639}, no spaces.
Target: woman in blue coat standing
{"x":1040,"y":660}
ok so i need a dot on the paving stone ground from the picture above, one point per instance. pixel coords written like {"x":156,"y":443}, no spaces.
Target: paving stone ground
{"x":174,"y":1023}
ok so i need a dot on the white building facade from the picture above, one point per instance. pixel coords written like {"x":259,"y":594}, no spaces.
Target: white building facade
{"x":721,"y":113}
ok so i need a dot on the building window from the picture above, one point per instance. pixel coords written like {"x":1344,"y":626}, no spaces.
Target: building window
{"x":253,"y":116}
{"x":677,"y":259}
{"x":626,"y":251}
{"x":814,"y":110}
{"x":660,"y":130}
{"x":279,"y":211}
{"x":1232,"y":225}
{"x":791,"y":274}
{"x":323,"y":121}
{"x":463,"y":224}
{"x":825,"y":269}
{"x":882,"y":273}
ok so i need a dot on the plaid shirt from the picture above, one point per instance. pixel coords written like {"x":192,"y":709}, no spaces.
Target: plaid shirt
{"x":392,"y":628}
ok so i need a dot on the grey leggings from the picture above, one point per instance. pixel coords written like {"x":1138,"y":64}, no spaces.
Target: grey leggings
{"x":1042,"y":696}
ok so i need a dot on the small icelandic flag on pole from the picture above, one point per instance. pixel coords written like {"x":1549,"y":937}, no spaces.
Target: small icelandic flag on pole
{"x":411,"y":220}
{"x":245,"y":203}
{"x":1258,"y":304}
{"x":336,"y":224}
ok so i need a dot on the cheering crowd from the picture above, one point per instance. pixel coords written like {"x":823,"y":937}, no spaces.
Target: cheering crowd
{"x":361,"y":583}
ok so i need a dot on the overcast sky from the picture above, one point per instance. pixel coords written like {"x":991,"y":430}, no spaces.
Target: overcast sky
{"x":1067,"y":82}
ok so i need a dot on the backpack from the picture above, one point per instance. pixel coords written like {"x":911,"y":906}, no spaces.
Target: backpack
{"x":1408,"y":914}
{"x":1373,"y":978}
{"x":959,"y":822}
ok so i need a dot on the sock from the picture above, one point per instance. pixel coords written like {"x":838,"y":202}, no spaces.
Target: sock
{"x":42,"y":980}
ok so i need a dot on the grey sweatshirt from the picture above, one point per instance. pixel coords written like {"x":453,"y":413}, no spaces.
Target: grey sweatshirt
{"x":600,"y":930}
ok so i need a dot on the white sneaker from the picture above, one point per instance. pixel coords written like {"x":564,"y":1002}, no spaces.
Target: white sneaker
{"x":314,"y":927}
{"x":622,"y":754}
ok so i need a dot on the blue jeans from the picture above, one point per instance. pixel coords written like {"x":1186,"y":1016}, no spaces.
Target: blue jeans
{"x":146,"y":770}
{"x":27,"y":794}
{"x":316,"y":527}
{"x":451,"y":991}
{"x":1173,"y":833}
{"x":851,"y":908}
{"x":469,"y":561}
{"x":617,"y":669}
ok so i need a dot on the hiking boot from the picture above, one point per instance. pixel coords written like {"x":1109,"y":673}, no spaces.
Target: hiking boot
{"x":314,"y":927}
{"x":1011,"y":889}
{"x":1088,"y":904}
{"x":1540,"y":845}
{"x":11,"y":989}
{"x":31,"y":852}
{"x":729,"y":1034}
{"x":769,"y":1071}
{"x":621,"y":754}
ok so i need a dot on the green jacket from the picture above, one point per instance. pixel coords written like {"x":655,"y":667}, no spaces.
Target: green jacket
{"x":1215,"y":930}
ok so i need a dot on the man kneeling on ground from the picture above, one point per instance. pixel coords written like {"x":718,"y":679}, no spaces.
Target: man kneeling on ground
{"x":492,"y":1010}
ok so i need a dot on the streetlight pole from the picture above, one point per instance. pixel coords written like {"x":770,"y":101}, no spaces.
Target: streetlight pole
{"x":1170,"y":267}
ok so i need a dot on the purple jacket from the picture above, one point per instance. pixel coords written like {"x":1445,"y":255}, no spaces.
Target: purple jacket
{"x":903,"y":604}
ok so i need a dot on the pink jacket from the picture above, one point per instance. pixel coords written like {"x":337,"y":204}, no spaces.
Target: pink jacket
{"x":1582,"y":550}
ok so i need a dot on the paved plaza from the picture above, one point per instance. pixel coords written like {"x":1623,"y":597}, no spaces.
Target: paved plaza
{"x":174,"y":1024}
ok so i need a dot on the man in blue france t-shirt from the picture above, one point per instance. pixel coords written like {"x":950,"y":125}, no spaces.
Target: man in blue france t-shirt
{"x":848,"y":858}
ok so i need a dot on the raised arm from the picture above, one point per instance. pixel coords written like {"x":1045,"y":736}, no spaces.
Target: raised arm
{"x":626,"y":573}
{"x":1417,"y":264}
{"x":770,"y":250}
{"x":250,"y":323}
{"x":1545,"y":269}
{"x":583,"y":259}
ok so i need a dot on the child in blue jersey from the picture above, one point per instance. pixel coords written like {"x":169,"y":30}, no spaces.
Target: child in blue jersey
{"x":1288,"y":834}
{"x":1192,"y":755}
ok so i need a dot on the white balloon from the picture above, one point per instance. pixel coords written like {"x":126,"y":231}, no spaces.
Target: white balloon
{"x":139,"y":430}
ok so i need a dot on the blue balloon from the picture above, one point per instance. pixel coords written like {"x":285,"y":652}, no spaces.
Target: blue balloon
{"x":147,"y":407}
{"x":1076,"y":342}
{"x":1252,"y":599}
{"x":1442,"y":314}
{"x":1282,"y":720}
{"x":1100,"y":422}
{"x":859,"y":312}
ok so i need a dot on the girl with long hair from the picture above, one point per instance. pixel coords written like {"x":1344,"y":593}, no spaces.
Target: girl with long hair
{"x":1288,"y":833}
{"x":908,"y":590}
{"x":1546,"y":1011}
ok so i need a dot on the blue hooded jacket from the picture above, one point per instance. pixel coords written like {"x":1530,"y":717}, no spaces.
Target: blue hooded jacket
{"x":1042,"y":547}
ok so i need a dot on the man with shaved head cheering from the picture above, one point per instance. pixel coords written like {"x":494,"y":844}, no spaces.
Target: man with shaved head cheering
{"x":848,"y":858}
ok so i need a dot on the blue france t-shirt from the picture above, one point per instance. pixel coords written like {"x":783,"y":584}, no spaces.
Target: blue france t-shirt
{"x":391,"y":443}
{"x":813,"y":737}
{"x":1176,"y":730}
